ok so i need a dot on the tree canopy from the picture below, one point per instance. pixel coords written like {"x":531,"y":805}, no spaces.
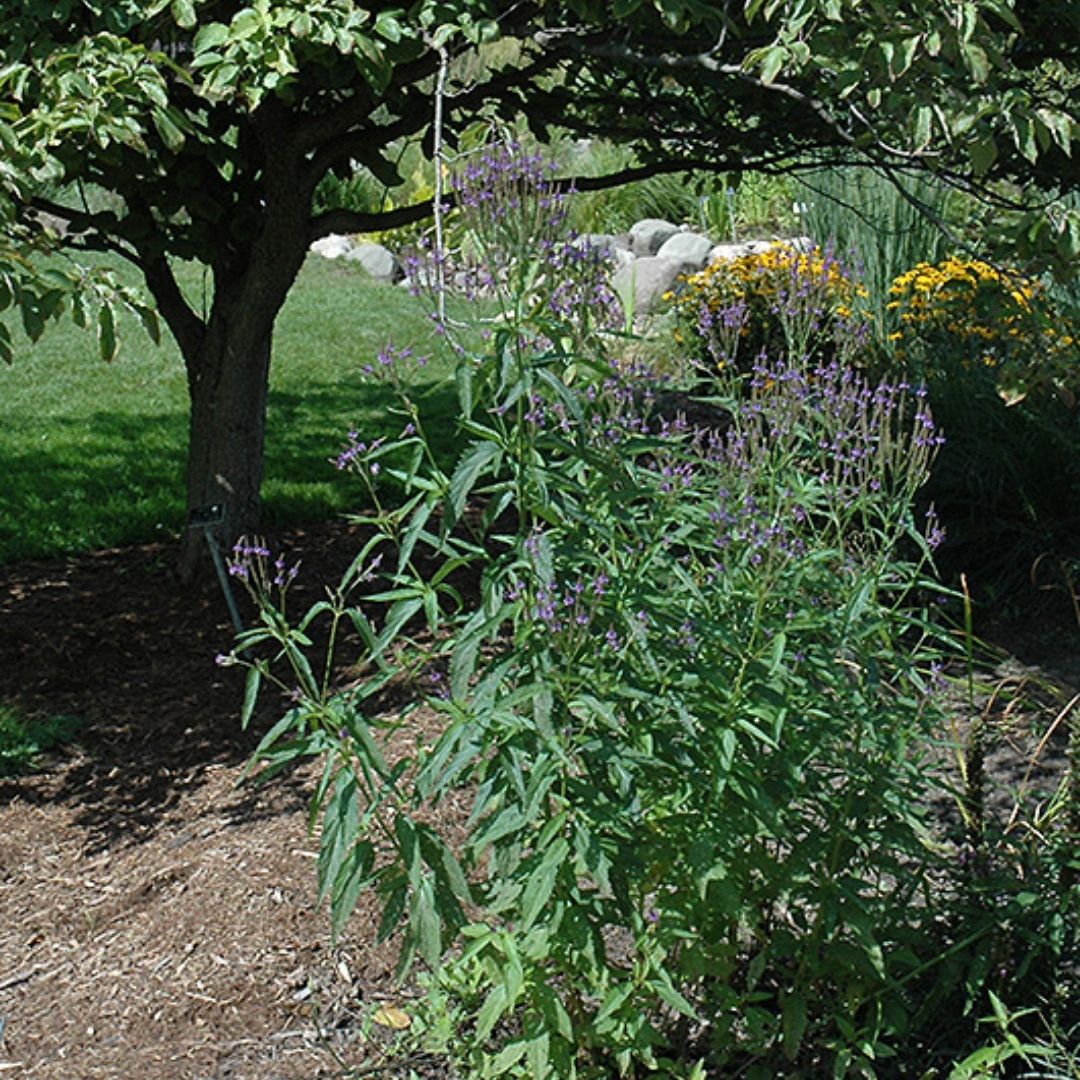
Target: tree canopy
{"x":200,"y":129}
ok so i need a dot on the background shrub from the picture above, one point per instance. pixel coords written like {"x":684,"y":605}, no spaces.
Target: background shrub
{"x":783,"y":301}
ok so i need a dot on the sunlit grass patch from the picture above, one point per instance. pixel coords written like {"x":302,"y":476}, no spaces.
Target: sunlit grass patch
{"x":93,"y":454}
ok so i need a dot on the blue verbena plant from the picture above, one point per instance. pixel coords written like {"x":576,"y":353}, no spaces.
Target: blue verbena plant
{"x":683,"y":674}
{"x":513,"y":248}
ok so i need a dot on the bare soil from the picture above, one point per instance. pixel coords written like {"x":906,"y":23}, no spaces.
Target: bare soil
{"x":158,"y":918}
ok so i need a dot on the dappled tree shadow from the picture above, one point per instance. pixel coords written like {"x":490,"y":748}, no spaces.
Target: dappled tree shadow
{"x":114,"y":640}
{"x":125,"y":483}
{"x":122,"y":473}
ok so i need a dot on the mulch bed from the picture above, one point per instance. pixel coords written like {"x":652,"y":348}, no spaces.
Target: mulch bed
{"x":158,"y":919}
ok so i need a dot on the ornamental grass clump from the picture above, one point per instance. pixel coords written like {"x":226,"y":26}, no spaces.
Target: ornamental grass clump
{"x":783,"y":301}
{"x":686,"y":678}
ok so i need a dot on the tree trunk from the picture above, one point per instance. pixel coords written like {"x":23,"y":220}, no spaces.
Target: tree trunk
{"x":228,"y":389}
{"x":228,"y":357}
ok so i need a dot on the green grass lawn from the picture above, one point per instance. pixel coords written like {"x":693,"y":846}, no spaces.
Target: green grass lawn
{"x":92,"y":455}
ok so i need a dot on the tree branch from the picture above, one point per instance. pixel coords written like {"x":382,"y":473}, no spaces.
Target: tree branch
{"x":364,"y":142}
{"x":775,"y":164}
{"x":90,"y":236}
{"x":708,"y":61}
{"x":351,"y":221}
{"x":186,"y":326}
{"x":188,"y":329}
{"x":315,"y":131}
{"x":354,"y":221}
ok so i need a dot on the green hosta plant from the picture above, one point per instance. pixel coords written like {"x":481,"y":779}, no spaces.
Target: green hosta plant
{"x":682,"y":676}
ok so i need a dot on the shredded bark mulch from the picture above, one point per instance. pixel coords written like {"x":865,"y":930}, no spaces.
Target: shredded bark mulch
{"x":158,"y":919}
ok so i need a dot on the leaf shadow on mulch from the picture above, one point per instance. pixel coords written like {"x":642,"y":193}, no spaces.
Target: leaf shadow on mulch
{"x":157,"y":919}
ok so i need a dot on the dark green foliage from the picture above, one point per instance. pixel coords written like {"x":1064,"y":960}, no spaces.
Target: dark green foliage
{"x":23,"y":738}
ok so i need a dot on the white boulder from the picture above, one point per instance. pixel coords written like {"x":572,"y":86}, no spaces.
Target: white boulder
{"x":641,"y":284}
{"x":333,"y":246}
{"x":648,"y":236}
{"x":380,"y":262}
{"x":687,"y":247}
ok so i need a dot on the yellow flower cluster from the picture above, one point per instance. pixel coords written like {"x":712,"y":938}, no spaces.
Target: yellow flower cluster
{"x":993,"y":313}
{"x":781,"y":297}
{"x":767,"y":275}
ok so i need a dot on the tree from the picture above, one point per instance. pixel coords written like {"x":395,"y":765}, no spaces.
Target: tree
{"x":210,"y":123}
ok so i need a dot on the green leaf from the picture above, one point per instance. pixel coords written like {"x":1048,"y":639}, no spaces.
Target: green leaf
{"x":491,"y":1012}
{"x":400,"y":614}
{"x":367,"y":749}
{"x":793,"y":1016}
{"x":977,"y":62}
{"x":301,"y":26}
{"x":246,"y":23}
{"x":670,"y":996}
{"x":251,"y":695}
{"x":291,"y":719}
{"x":443,"y":33}
{"x":755,"y":732}
{"x":171,"y":135}
{"x":541,"y":883}
{"x":463,"y":377}
{"x":341,"y":820}
{"x":388,"y":26}
{"x":427,"y":927}
{"x":967,"y":17}
{"x":539,"y":1049}
{"x":32,"y":321}
{"x":353,"y":874}
{"x":150,"y":323}
{"x":479,"y":628}
{"x":286,"y":754}
{"x":183,"y":12}
{"x":908,"y":48}
{"x":1060,"y":125}
{"x":1003,"y":9}
{"x":556,"y":1018}
{"x":613,"y":1001}
{"x":476,"y":459}
{"x":371,"y":60}
{"x":772,"y":62}
{"x":923,"y":125}
{"x":509,"y":1056}
{"x":222,"y":77}
{"x":1024,"y":136}
{"x":452,"y":872}
{"x":983,"y":154}
{"x":395,"y":888}
{"x":980,"y":1063}
{"x":210,"y":36}
{"x":507,"y":821}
